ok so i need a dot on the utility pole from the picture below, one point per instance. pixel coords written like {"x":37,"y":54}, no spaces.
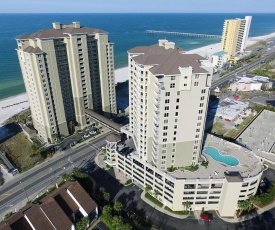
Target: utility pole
{"x":24,"y":191}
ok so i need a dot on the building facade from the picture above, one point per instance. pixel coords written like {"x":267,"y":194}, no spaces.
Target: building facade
{"x":66,"y":70}
{"x":165,"y":130}
{"x":235,"y":34}
{"x":166,"y":151}
{"x":219,"y":59}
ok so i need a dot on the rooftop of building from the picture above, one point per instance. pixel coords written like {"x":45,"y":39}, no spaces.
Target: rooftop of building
{"x":60,"y":31}
{"x":220,"y":53}
{"x":249,"y":80}
{"x":167,"y":59}
{"x":54,"y":211}
{"x":260,"y":135}
{"x":248,"y":164}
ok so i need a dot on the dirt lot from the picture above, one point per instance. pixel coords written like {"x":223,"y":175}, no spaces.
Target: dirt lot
{"x":18,"y":150}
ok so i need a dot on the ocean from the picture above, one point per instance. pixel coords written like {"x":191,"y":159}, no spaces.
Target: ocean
{"x":125,"y":30}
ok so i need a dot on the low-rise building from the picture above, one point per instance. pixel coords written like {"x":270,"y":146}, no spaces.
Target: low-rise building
{"x":233,"y":174}
{"x":250,"y":83}
{"x":260,"y":136}
{"x":58,"y":211}
{"x":219,"y":59}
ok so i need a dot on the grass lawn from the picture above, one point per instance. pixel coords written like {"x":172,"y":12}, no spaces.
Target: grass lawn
{"x":107,"y":223}
{"x":219,"y":128}
{"x":153,"y":199}
{"x":18,"y":150}
{"x":177,"y":212}
{"x":235,"y":132}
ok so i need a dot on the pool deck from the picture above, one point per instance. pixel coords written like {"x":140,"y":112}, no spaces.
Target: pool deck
{"x":249,"y":164}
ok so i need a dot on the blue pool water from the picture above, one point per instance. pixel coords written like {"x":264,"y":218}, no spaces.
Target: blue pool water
{"x":223,"y":157}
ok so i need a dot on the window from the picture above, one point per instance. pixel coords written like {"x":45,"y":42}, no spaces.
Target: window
{"x":178,"y":100}
{"x":184,"y":84}
{"x":175,"y":132}
{"x":176,"y":120}
{"x":166,"y":114}
{"x":173,"y":150}
{"x":165,"y":121}
{"x":173,"y":78}
{"x":172,"y":85}
{"x":199,"y":124}
{"x":165,"y":127}
{"x":163,"y":151}
{"x":164,"y":140}
{"x":167,"y":101}
{"x":175,"y":126}
{"x":177,"y":107}
{"x":197,"y":76}
{"x":164,"y":134}
{"x":174,"y":139}
{"x":166,"y":108}
{"x":202,"y":98}
{"x":174,"y":144}
{"x":163,"y":162}
{"x":201,"y":104}
{"x":164,"y":146}
{"x":200,"y":111}
{"x":178,"y":93}
{"x":203,"y":91}
{"x":185,"y":77}
{"x":176,"y":114}
{"x":167,"y":94}
{"x":199,"y":118}
{"x":197,"y":136}
{"x":196,"y":83}
{"x":163,"y":157}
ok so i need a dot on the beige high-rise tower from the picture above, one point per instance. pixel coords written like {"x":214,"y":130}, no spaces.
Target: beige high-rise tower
{"x":235,"y":34}
{"x":169,"y":93}
{"x":66,"y":70}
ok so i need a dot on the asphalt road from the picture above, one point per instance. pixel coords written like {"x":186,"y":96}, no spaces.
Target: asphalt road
{"x":30,"y":184}
{"x":227,"y":77}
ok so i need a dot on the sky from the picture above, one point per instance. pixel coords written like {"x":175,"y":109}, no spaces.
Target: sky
{"x":137,"y":6}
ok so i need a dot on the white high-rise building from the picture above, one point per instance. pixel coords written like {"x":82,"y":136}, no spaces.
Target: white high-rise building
{"x":67,"y":69}
{"x":169,"y":93}
{"x":166,"y":152}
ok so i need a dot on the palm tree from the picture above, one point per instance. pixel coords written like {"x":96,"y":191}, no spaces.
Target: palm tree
{"x":118,"y":206}
{"x":186,"y":205}
{"x":106,"y":196}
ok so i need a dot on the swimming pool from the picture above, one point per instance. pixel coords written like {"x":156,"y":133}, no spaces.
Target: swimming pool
{"x":227,"y":159}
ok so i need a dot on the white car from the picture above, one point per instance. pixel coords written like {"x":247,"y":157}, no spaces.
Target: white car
{"x":86,"y":135}
{"x":92,"y":132}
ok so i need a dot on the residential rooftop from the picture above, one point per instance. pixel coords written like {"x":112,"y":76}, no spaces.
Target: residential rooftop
{"x":60,"y":31}
{"x":260,"y":135}
{"x":165,"y":58}
{"x":249,"y":165}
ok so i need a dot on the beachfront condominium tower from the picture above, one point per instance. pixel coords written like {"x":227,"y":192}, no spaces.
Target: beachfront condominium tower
{"x":67,"y":69}
{"x":235,"y":34}
{"x":168,"y":92}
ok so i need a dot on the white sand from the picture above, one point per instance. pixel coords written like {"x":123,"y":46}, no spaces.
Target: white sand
{"x":121,"y":75}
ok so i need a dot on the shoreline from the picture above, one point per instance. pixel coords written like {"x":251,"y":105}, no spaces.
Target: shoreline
{"x":17,"y":103}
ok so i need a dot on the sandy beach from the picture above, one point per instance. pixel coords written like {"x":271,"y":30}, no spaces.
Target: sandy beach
{"x":13,"y":105}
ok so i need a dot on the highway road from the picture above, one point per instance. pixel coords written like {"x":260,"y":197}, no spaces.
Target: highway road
{"x":242,"y":70}
{"x":26,"y":186}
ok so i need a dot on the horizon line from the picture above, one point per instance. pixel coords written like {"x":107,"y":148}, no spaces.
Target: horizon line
{"x":139,"y":13}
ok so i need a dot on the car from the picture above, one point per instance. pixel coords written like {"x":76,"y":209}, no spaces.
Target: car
{"x":206,"y":216}
{"x":92,"y":132}
{"x":86,"y":135}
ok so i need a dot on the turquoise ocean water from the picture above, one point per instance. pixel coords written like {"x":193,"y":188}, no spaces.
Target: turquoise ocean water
{"x":125,"y":30}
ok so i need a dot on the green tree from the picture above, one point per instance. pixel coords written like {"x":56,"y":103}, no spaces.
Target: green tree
{"x":68,"y":177}
{"x":82,"y":224}
{"x":117,"y":222}
{"x":78,"y":174}
{"x":186,"y":205}
{"x":106,"y":196}
{"x":148,"y":188}
{"x":107,"y":213}
{"x":118,"y":206}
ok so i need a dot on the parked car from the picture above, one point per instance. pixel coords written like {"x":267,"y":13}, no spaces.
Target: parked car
{"x":206,"y":216}
{"x":86,"y":135}
{"x":92,"y":132}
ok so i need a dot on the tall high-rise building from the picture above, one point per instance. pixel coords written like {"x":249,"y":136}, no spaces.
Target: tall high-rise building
{"x":235,"y":34}
{"x":67,"y":69}
{"x":169,"y":93}
{"x":165,"y":150}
